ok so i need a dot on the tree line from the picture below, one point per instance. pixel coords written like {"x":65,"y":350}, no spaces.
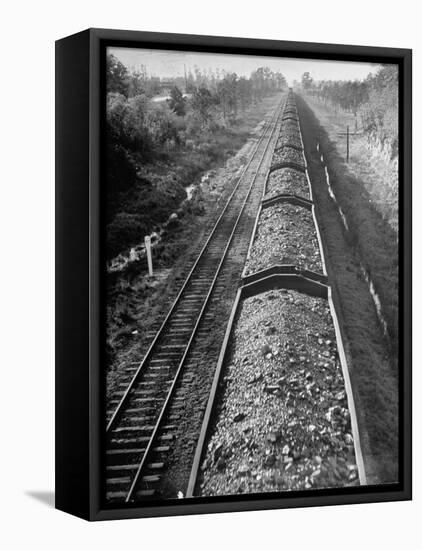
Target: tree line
{"x":373,"y":101}
{"x":156,"y":146}
{"x":139,"y":128}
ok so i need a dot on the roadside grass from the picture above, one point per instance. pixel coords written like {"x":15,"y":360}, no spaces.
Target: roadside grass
{"x":372,"y":357}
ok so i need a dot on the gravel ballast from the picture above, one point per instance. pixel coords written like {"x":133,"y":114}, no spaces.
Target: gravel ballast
{"x":282,"y":420}
{"x":287,"y":181}
{"x":285,"y":235}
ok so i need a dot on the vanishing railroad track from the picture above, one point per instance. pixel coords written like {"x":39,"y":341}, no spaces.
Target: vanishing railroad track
{"x":143,"y":414}
{"x":274,"y":273}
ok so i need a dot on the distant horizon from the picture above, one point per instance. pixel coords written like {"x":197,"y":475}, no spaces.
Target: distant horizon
{"x":171,"y":64}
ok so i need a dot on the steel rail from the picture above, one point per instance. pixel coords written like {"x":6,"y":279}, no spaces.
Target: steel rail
{"x":223,"y":351}
{"x":176,"y":377}
{"x":213,"y":392}
{"x":146,"y":357}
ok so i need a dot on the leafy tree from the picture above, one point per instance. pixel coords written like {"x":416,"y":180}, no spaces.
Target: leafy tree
{"x":374,"y":100}
{"x":136,"y":84}
{"x":177,"y":101}
{"x":380,"y":112}
{"x":117,"y":78}
{"x":244,"y":90}
{"x":161,"y":128}
{"x":227,"y":94}
{"x":306,"y":81}
{"x":280,"y":80}
{"x":202,"y":102}
{"x":127,"y":118}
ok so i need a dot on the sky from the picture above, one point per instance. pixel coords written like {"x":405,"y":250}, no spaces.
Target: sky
{"x":165,"y":63}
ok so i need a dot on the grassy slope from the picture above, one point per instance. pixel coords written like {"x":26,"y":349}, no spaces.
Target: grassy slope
{"x":372,"y":357}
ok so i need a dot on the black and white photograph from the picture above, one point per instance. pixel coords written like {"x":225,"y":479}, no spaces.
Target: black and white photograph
{"x":250,"y":237}
{"x":209,"y":247}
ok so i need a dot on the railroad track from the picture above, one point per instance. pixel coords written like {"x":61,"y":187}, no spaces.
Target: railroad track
{"x":288,"y":138}
{"x":144,"y":412}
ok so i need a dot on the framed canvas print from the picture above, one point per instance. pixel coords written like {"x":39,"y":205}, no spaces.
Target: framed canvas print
{"x":233,"y":274}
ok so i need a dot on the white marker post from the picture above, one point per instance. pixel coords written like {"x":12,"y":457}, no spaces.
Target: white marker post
{"x":149,"y":255}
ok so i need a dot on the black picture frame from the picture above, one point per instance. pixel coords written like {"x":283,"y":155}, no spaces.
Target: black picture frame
{"x":79,"y":132}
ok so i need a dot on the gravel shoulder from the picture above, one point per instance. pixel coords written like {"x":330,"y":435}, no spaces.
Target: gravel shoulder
{"x":282,"y":421}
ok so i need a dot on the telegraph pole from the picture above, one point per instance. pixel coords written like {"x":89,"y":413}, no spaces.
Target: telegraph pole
{"x":347,"y":145}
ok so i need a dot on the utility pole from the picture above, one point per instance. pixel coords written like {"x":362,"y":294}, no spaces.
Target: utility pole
{"x":347,"y":144}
